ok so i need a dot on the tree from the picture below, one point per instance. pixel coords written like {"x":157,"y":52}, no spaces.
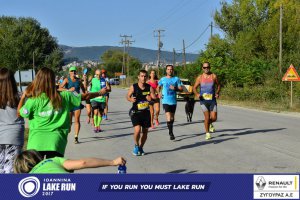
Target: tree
{"x":249,"y":51}
{"x":23,"y":40}
{"x":113,"y":61}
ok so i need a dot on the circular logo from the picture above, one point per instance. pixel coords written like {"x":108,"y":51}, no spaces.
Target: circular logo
{"x":30,"y":186}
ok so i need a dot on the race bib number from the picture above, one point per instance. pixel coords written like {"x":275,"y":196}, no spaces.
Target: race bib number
{"x":207,"y":96}
{"x":143,"y":105}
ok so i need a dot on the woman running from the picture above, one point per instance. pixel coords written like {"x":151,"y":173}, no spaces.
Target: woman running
{"x":155,"y":104}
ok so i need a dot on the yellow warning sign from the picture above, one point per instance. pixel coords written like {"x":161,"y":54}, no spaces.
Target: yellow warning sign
{"x":291,"y":74}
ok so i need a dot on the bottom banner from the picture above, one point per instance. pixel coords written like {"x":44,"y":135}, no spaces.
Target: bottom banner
{"x":149,"y":186}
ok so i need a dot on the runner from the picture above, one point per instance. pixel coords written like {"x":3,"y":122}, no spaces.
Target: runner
{"x":72,"y":83}
{"x":155,"y":104}
{"x":48,"y":113}
{"x":140,"y":94}
{"x":98,"y":104}
{"x":105,"y":81}
{"x":87,"y":85}
{"x":207,"y":82}
{"x":170,"y":85}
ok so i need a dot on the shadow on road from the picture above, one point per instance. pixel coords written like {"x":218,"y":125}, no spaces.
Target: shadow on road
{"x":118,"y":112}
{"x":249,"y":132}
{"x":197,"y":144}
{"x":120,"y":122}
{"x":97,"y":138}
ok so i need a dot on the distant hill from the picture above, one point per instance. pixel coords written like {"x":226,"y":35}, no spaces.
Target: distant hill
{"x":144,"y":55}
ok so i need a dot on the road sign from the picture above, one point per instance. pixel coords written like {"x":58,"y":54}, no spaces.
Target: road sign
{"x":291,"y":74}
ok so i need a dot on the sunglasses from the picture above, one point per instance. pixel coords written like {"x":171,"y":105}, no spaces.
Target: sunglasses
{"x":73,"y":71}
{"x":206,"y":67}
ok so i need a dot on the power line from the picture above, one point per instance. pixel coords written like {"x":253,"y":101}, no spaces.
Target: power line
{"x":196,"y":39}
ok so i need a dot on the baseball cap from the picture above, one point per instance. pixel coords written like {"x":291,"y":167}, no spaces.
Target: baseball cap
{"x":72,"y":68}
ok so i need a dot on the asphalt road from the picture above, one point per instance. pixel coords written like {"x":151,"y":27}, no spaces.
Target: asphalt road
{"x":246,"y":141}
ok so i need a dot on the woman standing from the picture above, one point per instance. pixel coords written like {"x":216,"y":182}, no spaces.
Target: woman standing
{"x":11,"y":124}
{"x":154,"y":104}
{"x":48,"y":113}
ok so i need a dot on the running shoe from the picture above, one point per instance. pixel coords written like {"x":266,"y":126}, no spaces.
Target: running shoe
{"x":104,"y":117}
{"x":95,"y":130}
{"x":212,"y":128}
{"x":135,"y":151}
{"x":157,"y":122}
{"x":141,"y":151}
{"x":76,"y":140}
{"x":152,"y":127}
{"x":207,"y":137}
{"x":172,"y":137}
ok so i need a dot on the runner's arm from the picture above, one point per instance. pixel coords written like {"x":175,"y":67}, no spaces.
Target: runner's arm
{"x":158,"y":89}
{"x":87,"y":96}
{"x":129,"y":95}
{"x":85,"y":82}
{"x":82,"y":87}
{"x":196,"y":85}
{"x":62,"y":85}
{"x":152,"y":94}
{"x":92,"y":163}
{"x":218,"y":86}
{"x":108,"y":88}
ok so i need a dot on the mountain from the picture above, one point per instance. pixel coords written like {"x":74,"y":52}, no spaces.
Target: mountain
{"x":144,"y":55}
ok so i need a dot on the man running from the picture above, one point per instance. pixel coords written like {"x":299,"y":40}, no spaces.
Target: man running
{"x":98,"y":103}
{"x":207,"y":95}
{"x":170,"y":85}
{"x":72,"y":83}
{"x":105,"y":81}
{"x":140,"y":94}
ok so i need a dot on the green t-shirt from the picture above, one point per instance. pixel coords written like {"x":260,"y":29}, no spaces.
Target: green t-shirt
{"x":50,"y":166}
{"x":48,"y":128}
{"x":96,"y":87}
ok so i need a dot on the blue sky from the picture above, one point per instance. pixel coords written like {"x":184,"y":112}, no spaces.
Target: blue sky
{"x":98,"y":22}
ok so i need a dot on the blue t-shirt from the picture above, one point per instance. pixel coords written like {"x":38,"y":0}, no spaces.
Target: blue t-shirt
{"x":168,"y":95}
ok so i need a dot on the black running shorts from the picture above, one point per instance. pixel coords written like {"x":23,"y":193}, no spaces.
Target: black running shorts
{"x":98,"y":105}
{"x":169,"y":108}
{"x":141,"y":118}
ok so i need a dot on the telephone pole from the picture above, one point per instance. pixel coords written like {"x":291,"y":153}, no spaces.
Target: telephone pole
{"x":159,"y":44}
{"x":184,"y":58}
{"x":127,"y":44}
{"x":124,"y":41}
{"x":280,"y":40}
{"x":174,"y":58}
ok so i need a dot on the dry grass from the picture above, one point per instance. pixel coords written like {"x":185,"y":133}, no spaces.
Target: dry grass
{"x":266,"y":106}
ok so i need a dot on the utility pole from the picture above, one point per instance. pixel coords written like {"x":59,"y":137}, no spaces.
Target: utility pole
{"x":159,"y":44}
{"x":129,"y":42}
{"x":280,"y":41}
{"x":126,"y":43}
{"x":174,"y":58}
{"x":184,"y":58}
